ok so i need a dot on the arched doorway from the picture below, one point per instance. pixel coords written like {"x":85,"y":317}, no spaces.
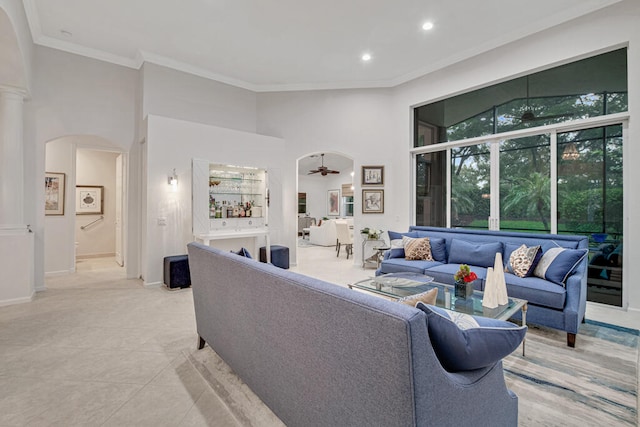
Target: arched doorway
{"x":94,"y":168}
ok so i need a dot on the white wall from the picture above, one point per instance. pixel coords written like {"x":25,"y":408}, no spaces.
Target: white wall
{"x":78,"y":97}
{"x":173,"y":144}
{"x":354,"y":123}
{"x":97,"y":168}
{"x":59,"y":229}
{"x":172,"y":93}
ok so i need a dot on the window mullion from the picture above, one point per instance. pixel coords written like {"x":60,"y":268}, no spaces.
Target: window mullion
{"x":553,"y":181}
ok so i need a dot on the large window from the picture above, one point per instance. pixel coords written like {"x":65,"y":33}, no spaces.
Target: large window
{"x":508,"y":157}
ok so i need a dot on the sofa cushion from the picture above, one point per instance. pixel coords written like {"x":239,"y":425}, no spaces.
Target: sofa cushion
{"x":463,"y":342}
{"x":523,"y":259}
{"x":537,"y":291}
{"x":399,"y":265}
{"x":417,"y":248}
{"x":557,"y":263}
{"x":473,"y":253}
{"x":428,"y":297}
{"x":438,"y":246}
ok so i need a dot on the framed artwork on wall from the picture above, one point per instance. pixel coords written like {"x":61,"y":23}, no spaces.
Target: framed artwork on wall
{"x":89,"y":199}
{"x":372,"y":201}
{"x":372,"y":175}
{"x":54,"y":193}
{"x":333,"y":202}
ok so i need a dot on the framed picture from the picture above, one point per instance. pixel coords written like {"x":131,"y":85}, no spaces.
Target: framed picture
{"x":333,"y":202}
{"x":372,"y":175}
{"x":54,"y":193}
{"x":372,"y":201}
{"x":89,"y":199}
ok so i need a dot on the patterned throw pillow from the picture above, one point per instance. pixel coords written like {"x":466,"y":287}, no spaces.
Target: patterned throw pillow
{"x":428,"y":297}
{"x":523,"y":260}
{"x":417,"y":249}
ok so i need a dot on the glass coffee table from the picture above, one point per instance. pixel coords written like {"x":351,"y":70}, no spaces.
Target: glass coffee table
{"x":398,"y":285}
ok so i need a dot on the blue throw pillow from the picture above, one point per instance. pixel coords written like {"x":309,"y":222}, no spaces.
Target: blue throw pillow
{"x":463,"y":342}
{"x":557,"y":263}
{"x":438,"y":247}
{"x":243,"y":252}
{"x":474,"y":253}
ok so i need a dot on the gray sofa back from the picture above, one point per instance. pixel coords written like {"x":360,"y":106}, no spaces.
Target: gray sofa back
{"x":322,"y":355}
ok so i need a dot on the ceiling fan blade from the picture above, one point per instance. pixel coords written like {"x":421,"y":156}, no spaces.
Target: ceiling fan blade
{"x":333,"y":171}
{"x":312,"y":172}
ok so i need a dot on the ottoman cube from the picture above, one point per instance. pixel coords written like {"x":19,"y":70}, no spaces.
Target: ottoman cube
{"x":279,"y":255}
{"x":176,"y":271}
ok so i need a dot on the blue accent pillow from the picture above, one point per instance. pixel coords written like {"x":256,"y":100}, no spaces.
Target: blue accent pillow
{"x":396,"y":253}
{"x":557,"y":263}
{"x":463,"y":342}
{"x":243,"y":252}
{"x":438,"y":247}
{"x":473,"y":253}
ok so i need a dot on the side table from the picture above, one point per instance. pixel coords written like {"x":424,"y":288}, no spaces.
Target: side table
{"x":371,"y":259}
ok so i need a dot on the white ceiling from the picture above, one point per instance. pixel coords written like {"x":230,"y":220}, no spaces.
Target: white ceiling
{"x":269,"y":45}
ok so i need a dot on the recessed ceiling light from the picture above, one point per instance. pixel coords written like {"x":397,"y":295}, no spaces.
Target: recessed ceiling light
{"x":366,"y":57}
{"x":427,"y":26}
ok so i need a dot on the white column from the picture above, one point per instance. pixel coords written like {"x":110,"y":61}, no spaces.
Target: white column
{"x":11,"y":158}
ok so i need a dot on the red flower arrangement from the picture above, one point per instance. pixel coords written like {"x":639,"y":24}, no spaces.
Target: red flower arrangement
{"x":464,"y":274}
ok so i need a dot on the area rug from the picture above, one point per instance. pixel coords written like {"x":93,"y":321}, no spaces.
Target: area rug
{"x":594,"y":384}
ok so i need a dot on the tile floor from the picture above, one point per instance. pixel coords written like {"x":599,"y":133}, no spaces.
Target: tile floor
{"x":96,"y":349}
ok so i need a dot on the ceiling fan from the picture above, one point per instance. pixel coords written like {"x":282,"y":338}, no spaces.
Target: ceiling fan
{"x":322,"y":170}
{"x":530,"y":116}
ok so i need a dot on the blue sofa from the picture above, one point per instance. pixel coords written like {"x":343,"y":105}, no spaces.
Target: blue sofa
{"x":319,"y":354}
{"x":556,"y":304}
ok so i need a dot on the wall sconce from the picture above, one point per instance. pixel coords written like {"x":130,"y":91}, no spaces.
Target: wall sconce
{"x":173,"y":180}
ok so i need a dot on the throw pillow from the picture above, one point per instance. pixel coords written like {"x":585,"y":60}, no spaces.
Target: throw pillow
{"x":557,"y":263}
{"x":463,"y":342}
{"x":417,"y":249}
{"x":524,"y":260}
{"x":473,"y":253}
{"x":429,"y":297}
{"x":438,"y":247}
{"x":243,"y":252}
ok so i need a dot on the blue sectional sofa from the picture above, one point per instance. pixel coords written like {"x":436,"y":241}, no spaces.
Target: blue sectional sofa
{"x":319,"y":354}
{"x":558,"y":300}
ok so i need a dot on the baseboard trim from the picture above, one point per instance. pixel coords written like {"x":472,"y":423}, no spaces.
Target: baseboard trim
{"x":89,"y":256}
{"x":152,"y":284}
{"x":58,"y":273}
{"x":17,"y":300}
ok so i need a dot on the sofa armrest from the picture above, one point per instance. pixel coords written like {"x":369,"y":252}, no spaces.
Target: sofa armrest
{"x":576,"y":299}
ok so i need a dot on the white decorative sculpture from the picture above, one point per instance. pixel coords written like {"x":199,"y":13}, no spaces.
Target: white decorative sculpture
{"x":495,"y":287}
{"x":490,"y":297}
{"x":501,"y":284}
